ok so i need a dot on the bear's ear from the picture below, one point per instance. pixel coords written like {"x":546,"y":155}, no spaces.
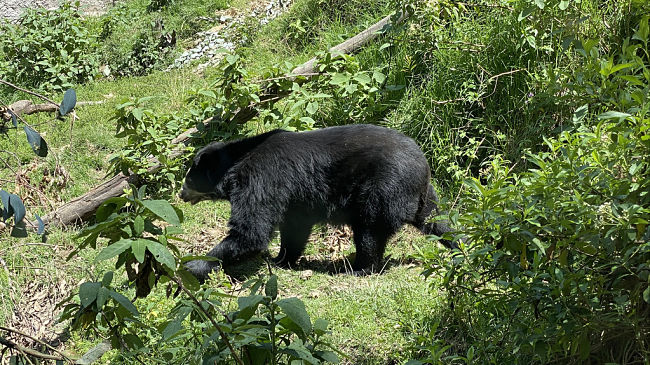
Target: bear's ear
{"x":209,"y":154}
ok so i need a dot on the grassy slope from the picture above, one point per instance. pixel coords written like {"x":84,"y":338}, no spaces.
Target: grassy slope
{"x":369,"y":316}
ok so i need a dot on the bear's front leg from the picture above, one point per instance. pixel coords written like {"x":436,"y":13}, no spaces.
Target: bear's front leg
{"x":233,"y":248}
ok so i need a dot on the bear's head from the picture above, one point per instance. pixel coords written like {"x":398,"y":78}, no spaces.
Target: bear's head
{"x":205,"y":178}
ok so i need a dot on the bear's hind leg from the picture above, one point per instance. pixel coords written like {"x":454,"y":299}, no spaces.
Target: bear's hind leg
{"x":293,"y":239}
{"x":370,"y":244}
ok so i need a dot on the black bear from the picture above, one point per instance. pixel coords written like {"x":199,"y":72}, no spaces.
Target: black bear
{"x":372,"y":178}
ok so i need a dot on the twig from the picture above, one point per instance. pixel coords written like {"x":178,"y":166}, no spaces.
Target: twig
{"x":28,"y":92}
{"x":214,"y":323}
{"x":28,"y":351}
{"x":442,"y":102}
{"x":496,"y":78}
{"x":506,"y":73}
{"x":17,"y":116}
{"x":290,"y":76}
{"x":37,"y":340}
{"x":485,"y":6}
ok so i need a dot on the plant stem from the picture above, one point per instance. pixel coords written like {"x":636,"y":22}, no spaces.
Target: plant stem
{"x":214,"y":323}
{"x":28,"y":92}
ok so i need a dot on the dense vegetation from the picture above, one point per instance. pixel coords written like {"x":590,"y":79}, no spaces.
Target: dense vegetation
{"x":534,"y":115}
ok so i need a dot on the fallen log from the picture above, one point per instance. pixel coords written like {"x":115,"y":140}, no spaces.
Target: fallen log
{"x":26,"y":107}
{"x":84,"y":206}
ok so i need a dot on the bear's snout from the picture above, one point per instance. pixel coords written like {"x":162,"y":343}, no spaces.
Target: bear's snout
{"x":189,"y":195}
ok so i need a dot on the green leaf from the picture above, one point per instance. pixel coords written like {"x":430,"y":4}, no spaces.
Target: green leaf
{"x":162,"y":254}
{"x":362,"y":78}
{"x":102,"y":295}
{"x":124,"y":302}
{"x":620,"y":67}
{"x":646,"y":294}
{"x":379,"y":77}
{"x":171,"y":329}
{"x":138,"y":225}
{"x":613,"y":115}
{"x":320,"y":326}
{"x":88,"y":293}
{"x":580,"y":113}
{"x":68,"y":103}
{"x":525,"y":13}
{"x":208,"y":93}
{"x":163,"y":210}
{"x":312,"y":107}
{"x":328,"y":356}
{"x":113,"y":249}
{"x":298,"y":350}
{"x":108,"y":207}
{"x":107,"y":279}
{"x":271,"y":287}
{"x":564,"y":4}
{"x":188,"y":279}
{"x":137,"y":114}
{"x":295,"y":310}
{"x":36,"y":141}
{"x":339,"y":78}
{"x":138,"y":247}
{"x":41,"y":225}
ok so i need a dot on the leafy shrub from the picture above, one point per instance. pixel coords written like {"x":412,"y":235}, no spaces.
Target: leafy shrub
{"x":558,"y":268}
{"x":149,"y":138}
{"x":48,"y":49}
{"x":264,"y":329}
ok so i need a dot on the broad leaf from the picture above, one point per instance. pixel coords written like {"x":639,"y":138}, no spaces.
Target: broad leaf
{"x":102,"y":295}
{"x":108,"y":207}
{"x":113,"y":249}
{"x":171,"y":329}
{"x":88,"y":293}
{"x":14,"y":119}
{"x":162,"y":254}
{"x":36,"y":141}
{"x":107,"y":279}
{"x":613,"y":115}
{"x":188,"y":279}
{"x":295,"y":310}
{"x":163,"y":210}
{"x":41,"y":225}
{"x":138,"y":225}
{"x":271,"y":287}
{"x":68,"y":103}
{"x":328,"y":356}
{"x":138,"y":247}
{"x":124,"y":302}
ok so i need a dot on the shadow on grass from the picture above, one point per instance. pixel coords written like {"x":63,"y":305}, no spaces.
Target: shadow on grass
{"x":317,"y":263}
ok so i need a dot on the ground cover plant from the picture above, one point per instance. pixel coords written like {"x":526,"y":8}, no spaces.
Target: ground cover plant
{"x":534,"y":118}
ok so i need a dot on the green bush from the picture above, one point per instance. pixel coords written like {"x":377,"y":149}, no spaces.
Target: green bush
{"x":48,"y":49}
{"x":264,"y":329}
{"x":557,"y":268}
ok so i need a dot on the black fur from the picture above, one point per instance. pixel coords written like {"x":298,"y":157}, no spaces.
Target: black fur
{"x":371,"y":178}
